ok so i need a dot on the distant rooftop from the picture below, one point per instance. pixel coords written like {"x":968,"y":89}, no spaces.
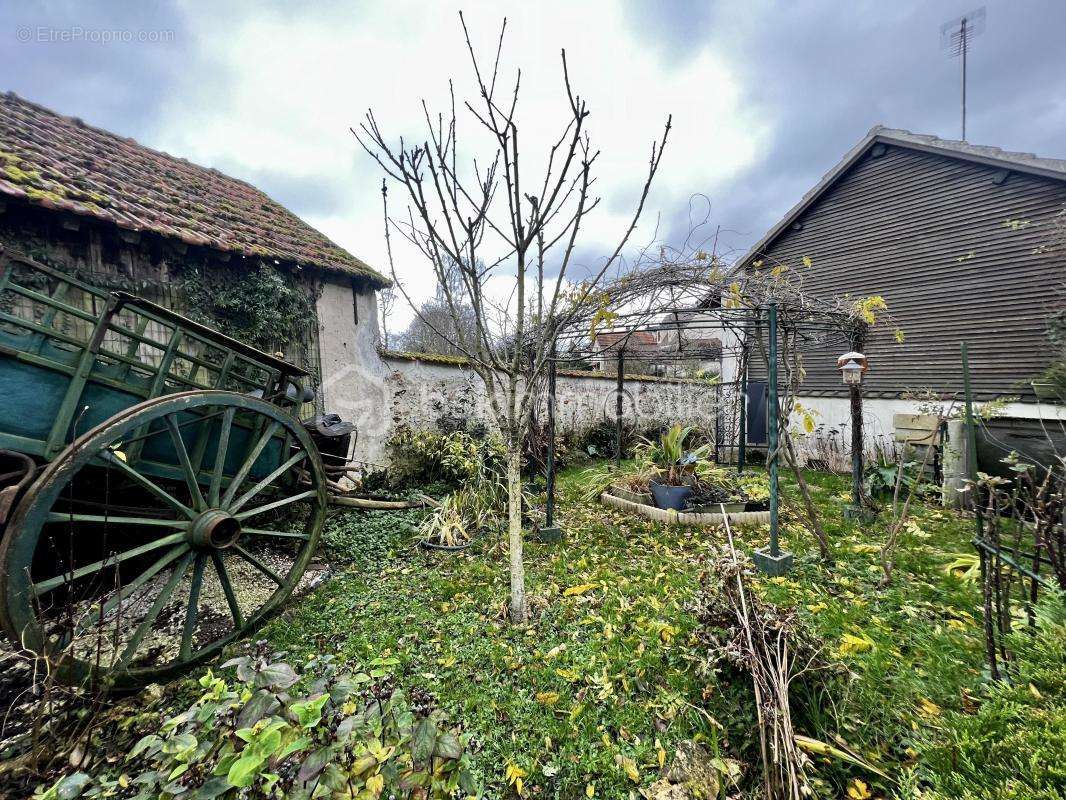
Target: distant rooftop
{"x":633,"y":341}
{"x":61,"y":163}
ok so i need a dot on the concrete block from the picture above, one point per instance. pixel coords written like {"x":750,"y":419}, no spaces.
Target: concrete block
{"x":773,"y":566}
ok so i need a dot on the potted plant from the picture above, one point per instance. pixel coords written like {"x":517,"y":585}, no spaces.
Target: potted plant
{"x":675,"y":466}
{"x":713,"y":487}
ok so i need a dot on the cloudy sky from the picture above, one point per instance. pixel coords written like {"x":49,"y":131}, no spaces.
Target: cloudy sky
{"x":765,"y":96}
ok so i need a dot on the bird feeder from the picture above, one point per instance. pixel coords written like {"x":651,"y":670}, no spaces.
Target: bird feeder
{"x":852,"y":366}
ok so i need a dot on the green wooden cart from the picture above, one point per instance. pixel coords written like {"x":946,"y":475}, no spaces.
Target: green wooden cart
{"x":160,"y":498}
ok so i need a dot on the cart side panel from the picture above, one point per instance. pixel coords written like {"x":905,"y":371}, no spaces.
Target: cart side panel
{"x":29,"y":398}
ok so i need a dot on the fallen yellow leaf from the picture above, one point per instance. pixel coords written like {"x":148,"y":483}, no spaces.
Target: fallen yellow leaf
{"x":850,"y":643}
{"x":579,"y":589}
{"x":858,"y":790}
{"x":927,"y":708}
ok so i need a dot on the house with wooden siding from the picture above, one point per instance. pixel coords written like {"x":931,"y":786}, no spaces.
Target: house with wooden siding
{"x":956,"y":238}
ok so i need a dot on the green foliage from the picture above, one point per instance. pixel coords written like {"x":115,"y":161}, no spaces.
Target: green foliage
{"x":753,"y":486}
{"x":602,"y":679}
{"x":600,"y":688}
{"x":260,"y":304}
{"x":669,"y":454}
{"x":632,"y":475}
{"x":424,"y":457}
{"x":599,"y":440}
{"x":598,"y":681}
{"x":472,"y":466}
{"x":879,"y":480}
{"x":474,"y":507}
{"x":369,"y":538}
{"x":345,"y":734}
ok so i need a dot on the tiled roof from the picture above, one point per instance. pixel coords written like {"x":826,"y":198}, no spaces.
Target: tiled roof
{"x":59,"y":162}
{"x":982,"y":154}
{"x":632,"y":341}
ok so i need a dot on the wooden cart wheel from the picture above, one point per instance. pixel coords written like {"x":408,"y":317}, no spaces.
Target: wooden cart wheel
{"x":160,"y":536}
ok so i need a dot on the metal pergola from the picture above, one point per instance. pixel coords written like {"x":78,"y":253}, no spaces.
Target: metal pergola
{"x":745,"y":325}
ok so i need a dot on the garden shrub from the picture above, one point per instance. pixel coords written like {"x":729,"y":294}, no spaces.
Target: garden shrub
{"x":427,"y":457}
{"x":341,"y":735}
{"x":598,"y":441}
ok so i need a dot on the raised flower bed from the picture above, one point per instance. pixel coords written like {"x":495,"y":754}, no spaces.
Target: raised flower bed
{"x":697,"y":519}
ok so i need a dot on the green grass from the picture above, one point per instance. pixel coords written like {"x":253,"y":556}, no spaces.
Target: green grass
{"x":604,"y":677}
{"x":595,"y":675}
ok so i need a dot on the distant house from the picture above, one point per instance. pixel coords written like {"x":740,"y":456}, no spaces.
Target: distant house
{"x":116,"y":213}
{"x":690,"y":343}
{"x":639,"y":350}
{"x":954,"y":237}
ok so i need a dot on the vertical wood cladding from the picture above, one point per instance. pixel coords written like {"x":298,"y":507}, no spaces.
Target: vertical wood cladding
{"x":956,"y":257}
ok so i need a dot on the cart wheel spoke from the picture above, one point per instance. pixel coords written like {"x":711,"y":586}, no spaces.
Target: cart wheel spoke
{"x":220,"y":454}
{"x":276,"y":504}
{"x":41,"y":587}
{"x":148,"y":522}
{"x":153,"y":613}
{"x":148,"y":484}
{"x":279,"y":534}
{"x":118,"y":542}
{"x":195,"y":494}
{"x":259,"y":565}
{"x":227,"y":589}
{"x":194,"y":605}
{"x":98,"y":613}
{"x":269,"y":479}
{"x":249,"y":462}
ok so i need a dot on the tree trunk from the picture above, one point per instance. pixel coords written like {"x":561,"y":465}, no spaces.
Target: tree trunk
{"x":514,"y":532}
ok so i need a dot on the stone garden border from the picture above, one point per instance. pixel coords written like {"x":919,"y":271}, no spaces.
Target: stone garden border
{"x":671,"y":517}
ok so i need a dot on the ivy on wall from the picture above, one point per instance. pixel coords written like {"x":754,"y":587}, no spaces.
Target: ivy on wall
{"x":257,"y":303}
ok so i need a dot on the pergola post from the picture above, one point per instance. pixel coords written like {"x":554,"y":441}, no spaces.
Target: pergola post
{"x":773,"y":560}
{"x":742,"y":393}
{"x":618,"y":391}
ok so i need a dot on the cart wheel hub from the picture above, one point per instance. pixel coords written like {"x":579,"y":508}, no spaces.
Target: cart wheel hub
{"x":214,"y":529}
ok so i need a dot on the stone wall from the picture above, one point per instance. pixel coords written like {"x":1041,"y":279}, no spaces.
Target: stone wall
{"x":427,"y":392}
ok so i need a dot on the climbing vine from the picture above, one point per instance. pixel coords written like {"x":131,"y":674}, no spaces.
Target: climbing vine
{"x":258,"y":304}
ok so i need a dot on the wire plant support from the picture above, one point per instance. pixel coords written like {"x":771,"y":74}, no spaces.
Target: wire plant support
{"x":1019,"y":533}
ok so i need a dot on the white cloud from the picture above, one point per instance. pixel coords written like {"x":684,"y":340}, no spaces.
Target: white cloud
{"x":284,"y":88}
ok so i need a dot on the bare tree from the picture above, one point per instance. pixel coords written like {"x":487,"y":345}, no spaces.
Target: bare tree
{"x":435,"y":328}
{"x":386,"y":302}
{"x":501,"y":221}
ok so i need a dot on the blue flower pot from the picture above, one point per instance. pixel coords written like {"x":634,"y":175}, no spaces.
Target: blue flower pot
{"x":669,"y":496}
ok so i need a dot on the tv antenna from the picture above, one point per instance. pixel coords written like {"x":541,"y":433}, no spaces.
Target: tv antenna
{"x":955,"y":37}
